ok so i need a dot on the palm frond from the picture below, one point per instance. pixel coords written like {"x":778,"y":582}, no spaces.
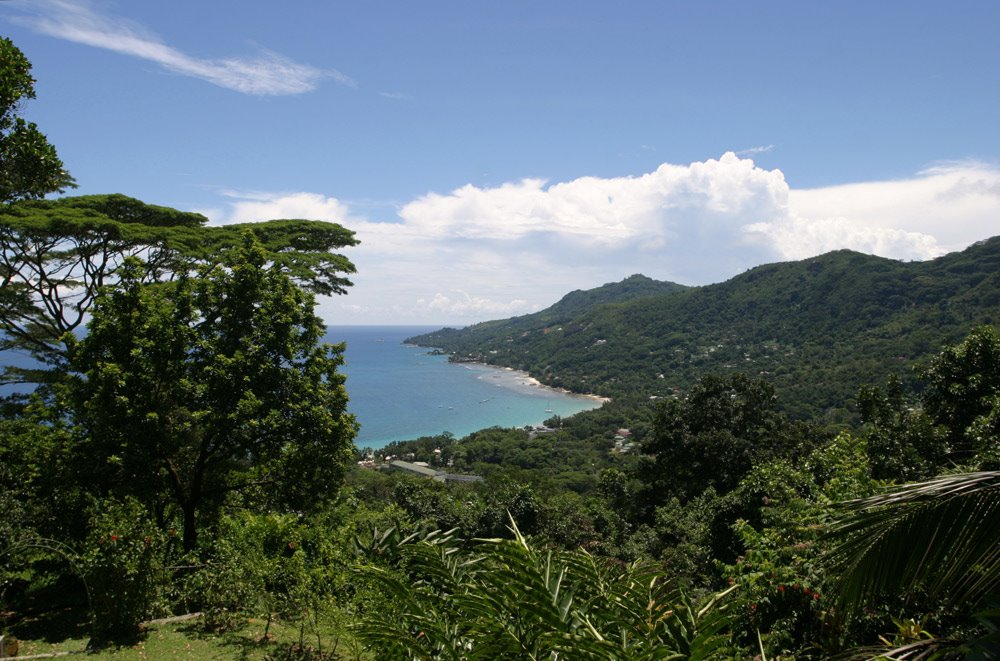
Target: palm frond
{"x":502,"y":598}
{"x":941,"y":536}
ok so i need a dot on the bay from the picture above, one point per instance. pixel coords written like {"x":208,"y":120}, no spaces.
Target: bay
{"x":401,"y":392}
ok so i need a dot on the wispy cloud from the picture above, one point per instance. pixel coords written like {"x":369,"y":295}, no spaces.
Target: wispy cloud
{"x":755,"y":150}
{"x":264,"y":74}
{"x":464,"y":305}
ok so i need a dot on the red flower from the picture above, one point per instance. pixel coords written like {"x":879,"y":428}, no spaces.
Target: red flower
{"x":114,"y":538}
{"x":781,"y":588}
{"x":815,"y":595}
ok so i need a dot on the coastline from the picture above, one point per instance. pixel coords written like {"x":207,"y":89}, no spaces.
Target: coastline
{"x":526,"y":379}
{"x":524,"y":376}
{"x":405,"y":391}
{"x":532,"y":381}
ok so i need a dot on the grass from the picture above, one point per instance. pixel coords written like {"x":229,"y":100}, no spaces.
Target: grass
{"x":61,"y":632}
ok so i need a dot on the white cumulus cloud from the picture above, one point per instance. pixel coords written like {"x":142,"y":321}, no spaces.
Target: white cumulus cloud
{"x":480,"y":253}
{"x":255,"y":206}
{"x":264,"y":74}
{"x":604,"y":212}
{"x":949,"y":205}
{"x":461,"y":304}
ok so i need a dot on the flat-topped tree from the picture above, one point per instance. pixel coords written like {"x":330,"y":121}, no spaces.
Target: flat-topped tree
{"x":55,"y":255}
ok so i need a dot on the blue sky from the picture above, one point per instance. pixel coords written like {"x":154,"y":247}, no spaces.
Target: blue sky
{"x":493,"y":156}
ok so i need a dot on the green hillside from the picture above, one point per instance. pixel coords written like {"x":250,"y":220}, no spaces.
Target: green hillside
{"x":569,"y":307}
{"x":817,"y":328}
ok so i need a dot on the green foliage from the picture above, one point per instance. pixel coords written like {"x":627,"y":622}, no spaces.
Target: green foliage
{"x":962,"y":387}
{"x":285,"y":571}
{"x":817,"y":329}
{"x":509,"y":502}
{"x":505,"y":599}
{"x":903,"y":442}
{"x":940,"y":537}
{"x":685,"y":536}
{"x":566,"y":459}
{"x":424,"y":448}
{"x":255,"y":566}
{"x":567,"y":522}
{"x":123,"y":565}
{"x":955,"y":420}
{"x":435,"y":504}
{"x":984,"y":436}
{"x":784,"y":589}
{"x":224,"y":380}
{"x":481,"y":510}
{"x":55,"y":255}
{"x":715,"y":435}
{"x":29,"y":166}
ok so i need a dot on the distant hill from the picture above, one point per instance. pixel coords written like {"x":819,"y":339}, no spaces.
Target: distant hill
{"x":569,"y":307}
{"x":817,"y":328}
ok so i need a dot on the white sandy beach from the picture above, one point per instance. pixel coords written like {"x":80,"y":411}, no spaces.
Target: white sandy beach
{"x":507,"y":377}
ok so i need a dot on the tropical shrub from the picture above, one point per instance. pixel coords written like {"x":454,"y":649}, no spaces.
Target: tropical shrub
{"x":123,"y":566}
{"x":503,"y":598}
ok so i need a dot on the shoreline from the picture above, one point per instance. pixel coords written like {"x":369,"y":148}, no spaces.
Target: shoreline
{"x":526,"y":376}
{"x":492,"y":396}
{"x":527,"y":379}
{"x":403,"y":391}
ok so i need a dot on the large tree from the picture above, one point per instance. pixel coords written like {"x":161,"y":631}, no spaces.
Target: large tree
{"x":962,"y":393}
{"x":716,"y":434}
{"x":955,"y":419}
{"x":191,"y":390}
{"x":55,"y":255}
{"x":29,"y":165}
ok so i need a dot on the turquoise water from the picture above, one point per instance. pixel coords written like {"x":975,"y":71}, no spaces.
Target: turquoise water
{"x":401,"y":392}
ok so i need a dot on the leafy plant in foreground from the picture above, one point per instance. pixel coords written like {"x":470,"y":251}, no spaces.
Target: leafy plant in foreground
{"x":936,"y":542}
{"x":941,"y":536}
{"x":505,"y":599}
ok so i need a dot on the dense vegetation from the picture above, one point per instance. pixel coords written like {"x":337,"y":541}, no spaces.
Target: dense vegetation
{"x":190,"y":452}
{"x":817,"y":329}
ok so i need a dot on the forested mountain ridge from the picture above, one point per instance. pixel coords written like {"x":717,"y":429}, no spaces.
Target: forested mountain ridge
{"x":569,"y":307}
{"x":817,"y":328}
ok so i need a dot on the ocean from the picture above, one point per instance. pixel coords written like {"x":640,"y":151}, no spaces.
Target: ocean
{"x":400,"y":392}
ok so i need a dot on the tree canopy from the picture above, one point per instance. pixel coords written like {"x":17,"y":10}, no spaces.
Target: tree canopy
{"x":713,"y":437}
{"x":961,"y":393}
{"x":29,"y":165}
{"x":55,"y":255}
{"x":191,"y":390}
